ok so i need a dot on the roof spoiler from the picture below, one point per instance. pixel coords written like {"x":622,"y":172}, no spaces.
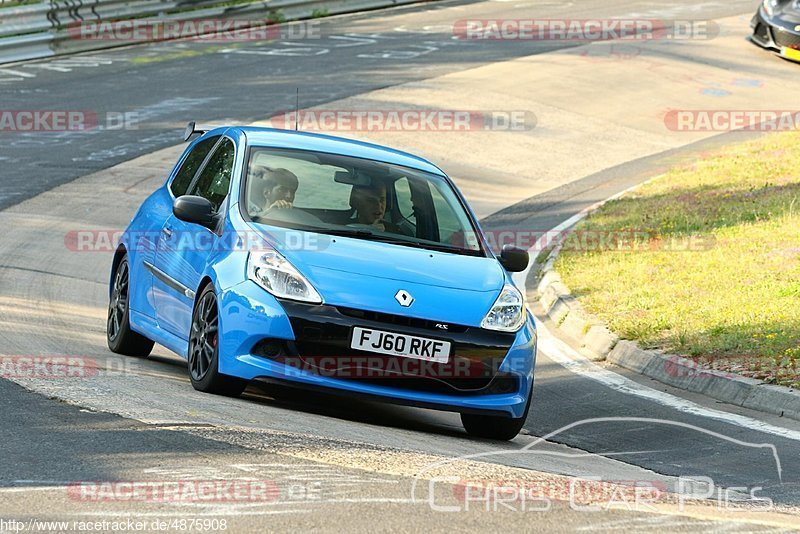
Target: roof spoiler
{"x":192,"y":129}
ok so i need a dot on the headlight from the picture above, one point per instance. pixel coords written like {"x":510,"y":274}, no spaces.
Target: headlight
{"x":274,"y":273}
{"x":508,"y":312}
{"x":769,"y":7}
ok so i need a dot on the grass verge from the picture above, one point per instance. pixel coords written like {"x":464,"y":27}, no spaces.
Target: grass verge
{"x":703,"y":261}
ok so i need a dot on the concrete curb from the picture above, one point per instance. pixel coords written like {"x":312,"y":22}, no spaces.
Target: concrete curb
{"x":598,"y":343}
{"x":594,"y":338}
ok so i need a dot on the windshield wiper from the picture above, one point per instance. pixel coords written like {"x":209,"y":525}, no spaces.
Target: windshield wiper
{"x":348,"y":232}
{"x":372,"y":236}
{"x":417,"y":244}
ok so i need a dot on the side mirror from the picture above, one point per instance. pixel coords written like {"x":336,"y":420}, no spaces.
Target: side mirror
{"x":514,"y":259}
{"x":192,"y":209}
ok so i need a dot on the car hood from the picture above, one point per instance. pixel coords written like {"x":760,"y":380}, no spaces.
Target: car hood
{"x":367,"y":275}
{"x":787,"y":13}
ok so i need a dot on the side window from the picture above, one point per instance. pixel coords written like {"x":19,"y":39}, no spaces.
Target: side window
{"x":183,"y":179}
{"x":215,"y":179}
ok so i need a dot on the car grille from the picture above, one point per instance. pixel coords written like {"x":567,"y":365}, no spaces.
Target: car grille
{"x":436,"y":378}
{"x":786,"y":38}
{"x":323,"y":335}
{"x":399,"y":320}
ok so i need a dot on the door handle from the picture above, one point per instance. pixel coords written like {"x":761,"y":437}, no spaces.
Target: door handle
{"x":167,"y":232}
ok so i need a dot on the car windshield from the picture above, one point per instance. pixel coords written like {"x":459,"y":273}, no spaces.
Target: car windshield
{"x":364,"y":199}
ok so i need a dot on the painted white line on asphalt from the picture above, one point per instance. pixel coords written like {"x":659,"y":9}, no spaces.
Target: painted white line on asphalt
{"x":543,"y":242}
{"x":32,"y":488}
{"x":569,"y":358}
{"x":18,"y":73}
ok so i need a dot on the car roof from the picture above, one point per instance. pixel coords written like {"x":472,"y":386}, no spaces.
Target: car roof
{"x":276,"y":138}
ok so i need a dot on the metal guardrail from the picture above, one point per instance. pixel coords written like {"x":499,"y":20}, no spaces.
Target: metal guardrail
{"x":40,"y":30}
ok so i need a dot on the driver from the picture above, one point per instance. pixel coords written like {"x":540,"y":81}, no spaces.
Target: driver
{"x":278,"y":188}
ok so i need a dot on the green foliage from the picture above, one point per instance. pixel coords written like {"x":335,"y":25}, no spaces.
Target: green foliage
{"x":715,"y":274}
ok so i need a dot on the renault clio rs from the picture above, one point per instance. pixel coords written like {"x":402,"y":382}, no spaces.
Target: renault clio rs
{"x":325,"y":263}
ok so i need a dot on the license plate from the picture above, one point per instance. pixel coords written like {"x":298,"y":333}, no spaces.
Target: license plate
{"x":419,"y":348}
{"x":790,"y":53}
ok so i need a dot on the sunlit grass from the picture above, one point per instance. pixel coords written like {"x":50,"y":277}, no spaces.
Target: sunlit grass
{"x":735,"y":299}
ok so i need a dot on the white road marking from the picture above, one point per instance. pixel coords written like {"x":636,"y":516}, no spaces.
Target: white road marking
{"x":36,"y":488}
{"x":569,"y":358}
{"x":291,"y":52}
{"x":651,"y":522}
{"x":543,"y":242}
{"x":352,"y":40}
{"x":674,"y":12}
{"x":19,"y":73}
{"x":419,"y":50}
{"x":54,"y":65}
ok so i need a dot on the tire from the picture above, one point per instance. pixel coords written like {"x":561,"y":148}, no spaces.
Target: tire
{"x":204,"y":350}
{"x":121,"y":339}
{"x":493,"y":426}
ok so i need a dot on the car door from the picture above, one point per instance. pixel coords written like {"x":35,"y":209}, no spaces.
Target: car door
{"x":184,"y":248}
{"x":144,"y":237}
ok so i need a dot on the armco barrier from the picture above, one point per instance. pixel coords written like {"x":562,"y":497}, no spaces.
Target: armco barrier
{"x":39,"y":30}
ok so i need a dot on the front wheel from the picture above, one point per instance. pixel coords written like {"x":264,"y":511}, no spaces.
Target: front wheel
{"x":121,"y":339}
{"x":204,"y":350}
{"x":493,"y":426}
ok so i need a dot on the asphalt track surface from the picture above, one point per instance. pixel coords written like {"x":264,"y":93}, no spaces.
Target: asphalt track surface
{"x":167,"y":84}
{"x":656,"y":429}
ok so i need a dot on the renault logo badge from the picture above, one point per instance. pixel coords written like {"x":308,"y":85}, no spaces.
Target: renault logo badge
{"x":404,"y":298}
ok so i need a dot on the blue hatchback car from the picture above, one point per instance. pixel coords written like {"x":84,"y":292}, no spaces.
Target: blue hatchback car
{"x":325,"y":263}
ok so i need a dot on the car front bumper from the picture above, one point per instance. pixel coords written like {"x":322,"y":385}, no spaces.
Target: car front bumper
{"x":308,"y":346}
{"x":783,"y":40}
